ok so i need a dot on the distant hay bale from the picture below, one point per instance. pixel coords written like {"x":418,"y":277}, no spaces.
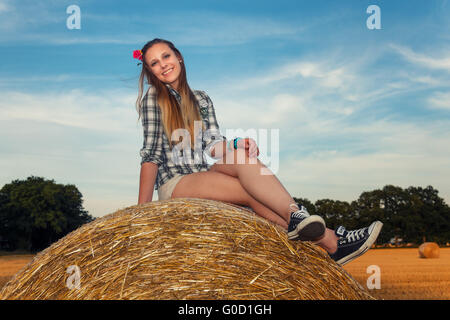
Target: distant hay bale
{"x":429,"y":250}
{"x":182,"y":249}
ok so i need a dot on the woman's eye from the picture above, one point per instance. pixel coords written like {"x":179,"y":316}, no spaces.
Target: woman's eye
{"x":167,"y":55}
{"x":153,"y":64}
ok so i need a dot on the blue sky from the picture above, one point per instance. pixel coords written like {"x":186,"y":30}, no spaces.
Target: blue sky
{"x":356,"y":109}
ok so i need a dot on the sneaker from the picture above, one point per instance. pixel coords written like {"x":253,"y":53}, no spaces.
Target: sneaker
{"x":305,"y":227}
{"x":352,"y":244}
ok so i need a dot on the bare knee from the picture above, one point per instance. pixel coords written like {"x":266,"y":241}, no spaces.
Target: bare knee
{"x":233,"y":162}
{"x":211,"y":185}
{"x":238,"y":157}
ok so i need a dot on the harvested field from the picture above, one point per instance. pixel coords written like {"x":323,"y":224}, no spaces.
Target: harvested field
{"x":10,"y":264}
{"x":403,"y":274}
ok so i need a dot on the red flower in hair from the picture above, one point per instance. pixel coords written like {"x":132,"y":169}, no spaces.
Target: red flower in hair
{"x":137,"y":54}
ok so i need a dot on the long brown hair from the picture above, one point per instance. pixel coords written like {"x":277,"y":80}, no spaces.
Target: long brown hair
{"x":174,"y":116}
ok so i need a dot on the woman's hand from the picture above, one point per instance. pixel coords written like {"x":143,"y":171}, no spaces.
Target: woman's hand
{"x":250,"y":146}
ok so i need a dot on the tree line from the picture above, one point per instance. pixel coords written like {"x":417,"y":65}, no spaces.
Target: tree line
{"x":37,"y":212}
{"x":414,"y":214}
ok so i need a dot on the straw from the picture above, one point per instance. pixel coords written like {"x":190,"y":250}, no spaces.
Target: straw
{"x":183,"y":249}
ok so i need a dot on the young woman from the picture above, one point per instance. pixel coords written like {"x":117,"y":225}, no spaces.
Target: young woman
{"x":170,"y":110}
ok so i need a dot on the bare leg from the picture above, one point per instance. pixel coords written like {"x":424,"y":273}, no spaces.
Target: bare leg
{"x":225,"y":184}
{"x":329,"y":241}
{"x":266,"y":189}
{"x":225,"y":188}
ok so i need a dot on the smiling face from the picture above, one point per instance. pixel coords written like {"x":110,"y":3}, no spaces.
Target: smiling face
{"x":164,"y":64}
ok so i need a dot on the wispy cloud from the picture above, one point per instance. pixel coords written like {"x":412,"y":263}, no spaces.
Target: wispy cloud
{"x":344,"y":102}
{"x":332,"y":87}
{"x":18,"y":18}
{"x":5,"y":6}
{"x":328,"y":74}
{"x":334,"y":142}
{"x":440,"y":100}
{"x":64,"y":39}
{"x":88,"y":139}
{"x":440,"y":63}
{"x":205,"y":28}
{"x":105,"y":111}
{"x":57,"y":78}
{"x":392,"y":157}
{"x":212,"y":28}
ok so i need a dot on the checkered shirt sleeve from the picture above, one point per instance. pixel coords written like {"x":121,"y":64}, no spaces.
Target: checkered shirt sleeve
{"x":152,"y":150}
{"x":211,"y":135}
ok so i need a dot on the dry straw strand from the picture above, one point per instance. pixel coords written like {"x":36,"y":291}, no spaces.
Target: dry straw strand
{"x":183,"y":249}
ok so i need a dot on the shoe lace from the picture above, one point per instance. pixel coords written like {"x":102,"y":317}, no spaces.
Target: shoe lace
{"x":354,"y":235}
{"x":298,"y":212}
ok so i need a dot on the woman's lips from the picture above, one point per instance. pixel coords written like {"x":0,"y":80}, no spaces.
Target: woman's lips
{"x":165,"y":73}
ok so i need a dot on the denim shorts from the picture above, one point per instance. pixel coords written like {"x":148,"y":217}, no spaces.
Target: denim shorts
{"x":166,"y":190}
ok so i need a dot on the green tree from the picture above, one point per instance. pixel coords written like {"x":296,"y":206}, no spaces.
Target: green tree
{"x":388,"y":205}
{"x":306,"y":203}
{"x":336,"y":213}
{"x":414,"y":214}
{"x":36,"y":212}
{"x":429,"y":218}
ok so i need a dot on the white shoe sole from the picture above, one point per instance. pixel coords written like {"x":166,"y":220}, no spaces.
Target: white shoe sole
{"x":366,"y":246}
{"x":310,"y":229}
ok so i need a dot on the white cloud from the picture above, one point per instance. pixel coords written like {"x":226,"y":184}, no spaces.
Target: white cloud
{"x":106,"y":111}
{"x":331,"y":83}
{"x":260,"y":113}
{"x":440,"y":100}
{"x":324,"y":74}
{"x":91,"y":140}
{"x":345,"y":177}
{"x":107,"y":172}
{"x":5,"y":6}
{"x":56,"y":78}
{"x":206,"y":28}
{"x":400,"y":154}
{"x":28,"y":16}
{"x":332,"y":144}
{"x":361,"y":157}
{"x":440,"y":63}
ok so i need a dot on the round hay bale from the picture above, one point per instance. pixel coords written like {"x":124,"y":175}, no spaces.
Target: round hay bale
{"x":182,"y":249}
{"x":429,"y":250}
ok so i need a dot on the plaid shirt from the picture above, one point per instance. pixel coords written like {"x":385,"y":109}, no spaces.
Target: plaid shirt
{"x":156,"y":144}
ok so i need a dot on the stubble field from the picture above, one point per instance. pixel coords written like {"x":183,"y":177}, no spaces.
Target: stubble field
{"x":10,"y":264}
{"x":403,"y":275}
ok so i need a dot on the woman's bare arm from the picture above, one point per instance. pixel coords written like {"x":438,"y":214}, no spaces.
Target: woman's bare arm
{"x":219,"y":149}
{"x":149,"y":170}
